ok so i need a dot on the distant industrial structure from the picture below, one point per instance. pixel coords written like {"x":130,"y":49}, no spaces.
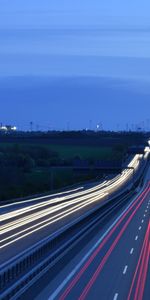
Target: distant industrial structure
{"x":7,"y":128}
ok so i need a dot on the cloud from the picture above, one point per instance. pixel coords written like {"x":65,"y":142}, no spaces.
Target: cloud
{"x":66,"y":37}
{"x":54,"y":102}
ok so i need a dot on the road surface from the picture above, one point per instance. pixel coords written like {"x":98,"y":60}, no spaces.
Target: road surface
{"x":113,"y":265}
{"x":25,"y":226}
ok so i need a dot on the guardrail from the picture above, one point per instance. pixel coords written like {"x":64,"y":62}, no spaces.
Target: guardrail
{"x":16,"y":274}
{"x":23,"y":271}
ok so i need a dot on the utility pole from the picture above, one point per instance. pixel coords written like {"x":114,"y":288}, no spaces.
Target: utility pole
{"x":31,"y":126}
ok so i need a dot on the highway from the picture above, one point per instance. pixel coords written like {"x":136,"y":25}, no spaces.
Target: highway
{"x":43,"y":216}
{"x":45,"y":222}
{"x":113,"y":265}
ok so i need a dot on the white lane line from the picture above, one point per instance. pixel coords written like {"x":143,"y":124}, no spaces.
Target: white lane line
{"x":146,"y":210}
{"x":131,"y":252}
{"x":125,"y":270}
{"x":142,"y":221}
{"x":136,"y":237}
{"x":144,"y":215}
{"x":116,"y":296}
{"x":140,"y":228}
{"x":55,"y":293}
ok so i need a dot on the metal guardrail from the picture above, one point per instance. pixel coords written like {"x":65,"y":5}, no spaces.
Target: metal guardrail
{"x":19,"y":275}
{"x":19,"y":271}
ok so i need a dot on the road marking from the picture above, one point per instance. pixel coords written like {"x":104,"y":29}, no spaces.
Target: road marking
{"x":131,"y":250}
{"x":116,"y":296}
{"x":136,"y":237}
{"x":83,"y":260}
{"x":125,"y":270}
{"x":144,"y":216}
{"x":140,"y":228}
{"x":146,"y":210}
{"x":142,"y":221}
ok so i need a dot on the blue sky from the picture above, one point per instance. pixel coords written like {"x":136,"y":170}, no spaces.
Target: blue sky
{"x":112,"y":6}
{"x":65,"y":38}
{"x":36,"y":34}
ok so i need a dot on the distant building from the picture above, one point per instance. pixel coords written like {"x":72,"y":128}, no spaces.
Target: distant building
{"x":7,"y":128}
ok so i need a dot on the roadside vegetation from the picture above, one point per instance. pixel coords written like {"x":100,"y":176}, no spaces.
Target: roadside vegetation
{"x":32,"y":165}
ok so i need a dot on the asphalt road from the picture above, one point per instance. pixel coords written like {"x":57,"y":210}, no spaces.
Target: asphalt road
{"x":23,"y":227}
{"x":113,"y":265}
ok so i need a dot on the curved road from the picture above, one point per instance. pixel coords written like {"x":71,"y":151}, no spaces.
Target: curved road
{"x":113,"y":265}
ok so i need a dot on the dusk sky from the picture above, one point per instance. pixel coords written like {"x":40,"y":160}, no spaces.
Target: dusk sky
{"x":67,"y":62}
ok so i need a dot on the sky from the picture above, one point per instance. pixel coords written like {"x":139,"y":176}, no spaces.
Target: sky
{"x":70,"y":43}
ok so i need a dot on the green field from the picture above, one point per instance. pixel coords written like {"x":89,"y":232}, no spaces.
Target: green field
{"x":71,"y":151}
{"x":84,"y":152}
{"x":27,"y":168}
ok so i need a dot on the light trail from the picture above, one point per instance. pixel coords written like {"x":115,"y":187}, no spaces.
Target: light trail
{"x":134,"y":163}
{"x":40,"y":198}
{"x":33,"y":217}
{"x":51,"y":210}
{"x":42,"y":225}
{"x":70,"y":282}
{"x":78,"y":200}
{"x":21,"y":211}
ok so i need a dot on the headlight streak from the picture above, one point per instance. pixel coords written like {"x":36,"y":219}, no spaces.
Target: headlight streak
{"x":70,"y":196}
{"x":49,"y":202}
{"x":51,"y":210}
{"x":77,"y":199}
{"x":40,"y":198}
{"x":57,"y":218}
{"x":55,"y":200}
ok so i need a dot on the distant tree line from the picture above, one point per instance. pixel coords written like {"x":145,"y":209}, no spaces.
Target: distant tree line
{"x":26,"y":157}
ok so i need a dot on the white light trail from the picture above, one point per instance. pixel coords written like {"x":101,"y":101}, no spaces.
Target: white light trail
{"x":62,"y":206}
{"x":46,"y":223}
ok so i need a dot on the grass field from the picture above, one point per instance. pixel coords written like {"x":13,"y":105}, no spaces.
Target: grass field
{"x":70,"y":151}
{"x":85,"y":152}
{"x":21,"y":173}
